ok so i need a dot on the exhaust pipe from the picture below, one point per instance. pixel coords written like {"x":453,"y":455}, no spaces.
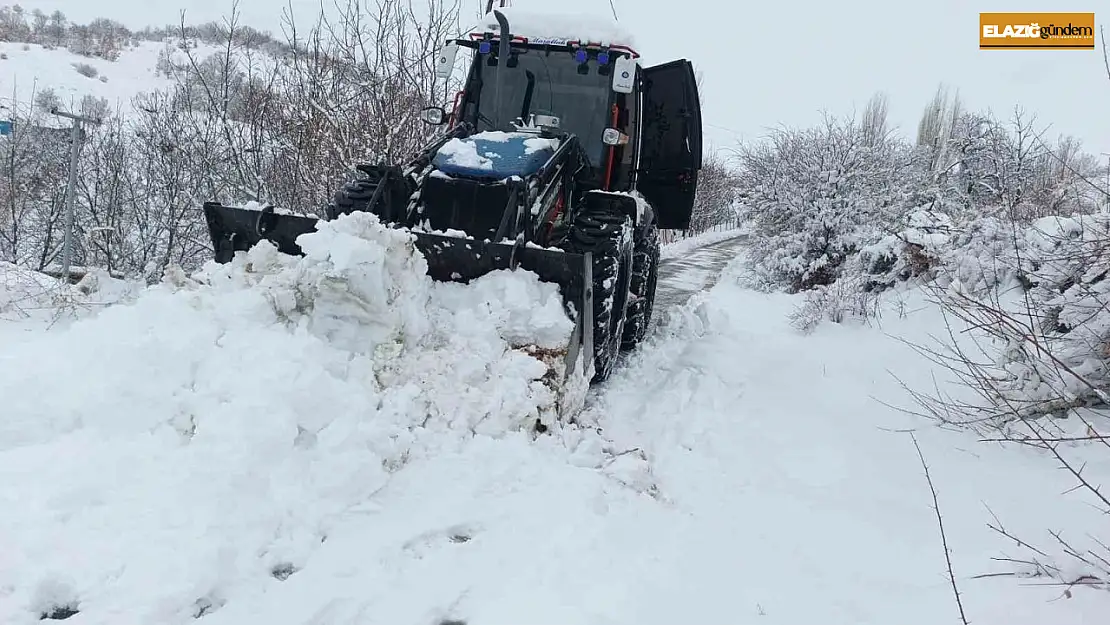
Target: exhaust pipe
{"x":503,"y":51}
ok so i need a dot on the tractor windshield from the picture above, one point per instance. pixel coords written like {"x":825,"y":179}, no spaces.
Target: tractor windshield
{"x":546,"y":83}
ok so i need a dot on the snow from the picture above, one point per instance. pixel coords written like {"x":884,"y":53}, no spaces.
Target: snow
{"x":532,"y":143}
{"x":30,"y":68}
{"x":31,"y":301}
{"x":337,"y":439}
{"x":537,"y":144}
{"x":583,"y":26}
{"x":465,"y":154}
{"x":496,"y":136}
{"x":683,"y":246}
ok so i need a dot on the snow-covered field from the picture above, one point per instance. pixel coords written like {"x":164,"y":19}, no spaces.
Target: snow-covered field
{"x":336,"y":439}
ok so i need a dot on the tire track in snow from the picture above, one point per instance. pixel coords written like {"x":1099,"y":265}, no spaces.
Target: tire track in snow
{"x":682,"y":277}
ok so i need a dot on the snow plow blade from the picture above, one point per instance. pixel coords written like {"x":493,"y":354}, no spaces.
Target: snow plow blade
{"x":450,"y":259}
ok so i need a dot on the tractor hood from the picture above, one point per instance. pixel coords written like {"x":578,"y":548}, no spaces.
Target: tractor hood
{"x":495,"y":155}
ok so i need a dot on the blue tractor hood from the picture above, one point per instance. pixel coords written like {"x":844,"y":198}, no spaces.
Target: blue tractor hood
{"x":494,"y":155}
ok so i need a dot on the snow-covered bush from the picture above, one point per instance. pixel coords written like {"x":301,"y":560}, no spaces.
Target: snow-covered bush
{"x":816,"y":196}
{"x":914,"y":252}
{"x":1053,"y":342}
{"x":718,"y":192}
{"x":1023,"y":276}
{"x":86,"y":70}
{"x":1030,"y":344}
{"x":845,"y":300}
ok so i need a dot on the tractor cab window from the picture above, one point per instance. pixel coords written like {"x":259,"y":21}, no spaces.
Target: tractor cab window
{"x":546,"y":83}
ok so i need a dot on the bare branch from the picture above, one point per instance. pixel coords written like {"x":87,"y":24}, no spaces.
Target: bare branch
{"x":940,"y":526}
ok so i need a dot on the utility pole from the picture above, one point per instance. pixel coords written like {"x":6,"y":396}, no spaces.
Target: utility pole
{"x":71,"y":186}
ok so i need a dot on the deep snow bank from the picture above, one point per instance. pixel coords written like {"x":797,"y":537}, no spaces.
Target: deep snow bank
{"x":207,"y":432}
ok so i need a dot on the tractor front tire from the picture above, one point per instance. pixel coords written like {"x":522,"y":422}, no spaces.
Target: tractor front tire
{"x":354,"y":196}
{"x":645,"y":274}
{"x":357,"y":195}
{"x":607,"y":234}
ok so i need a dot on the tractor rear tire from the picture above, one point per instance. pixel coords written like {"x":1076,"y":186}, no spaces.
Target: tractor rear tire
{"x":607,"y":234}
{"x":645,"y":274}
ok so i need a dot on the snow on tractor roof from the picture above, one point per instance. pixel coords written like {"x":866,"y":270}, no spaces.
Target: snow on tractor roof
{"x":559,"y":29}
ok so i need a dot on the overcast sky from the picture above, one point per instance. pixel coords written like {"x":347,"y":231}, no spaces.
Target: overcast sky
{"x":784,"y":61}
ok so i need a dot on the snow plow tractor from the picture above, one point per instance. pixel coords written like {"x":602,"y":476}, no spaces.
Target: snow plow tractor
{"x":561,"y":156}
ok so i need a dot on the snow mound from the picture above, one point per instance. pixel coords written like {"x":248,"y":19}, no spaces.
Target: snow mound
{"x":208,"y":431}
{"x":31,"y":295}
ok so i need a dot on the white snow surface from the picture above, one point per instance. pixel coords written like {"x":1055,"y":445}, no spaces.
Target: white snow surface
{"x":585,"y":26}
{"x":532,"y":142}
{"x":464,"y":153}
{"x":335,"y":439}
{"x":30,"y":68}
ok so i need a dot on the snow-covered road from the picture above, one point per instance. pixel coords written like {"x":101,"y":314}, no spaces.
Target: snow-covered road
{"x":681,"y":276}
{"x":333,"y":440}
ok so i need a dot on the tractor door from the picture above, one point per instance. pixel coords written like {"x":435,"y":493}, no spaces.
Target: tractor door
{"x":671,"y":151}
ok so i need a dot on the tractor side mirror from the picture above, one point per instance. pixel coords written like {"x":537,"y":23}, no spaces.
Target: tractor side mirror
{"x":445,"y":60}
{"x":612,"y":136}
{"x":433,"y":115}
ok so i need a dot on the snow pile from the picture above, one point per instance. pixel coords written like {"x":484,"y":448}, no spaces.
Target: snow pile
{"x":22,"y":289}
{"x":198,"y":442}
{"x":587,"y":27}
{"x":27,"y":295}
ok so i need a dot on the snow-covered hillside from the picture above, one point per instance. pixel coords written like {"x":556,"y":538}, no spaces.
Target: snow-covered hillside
{"x":26,"y":69}
{"x":335,"y":439}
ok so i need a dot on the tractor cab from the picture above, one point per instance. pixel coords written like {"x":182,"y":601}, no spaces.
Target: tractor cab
{"x":636,"y":128}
